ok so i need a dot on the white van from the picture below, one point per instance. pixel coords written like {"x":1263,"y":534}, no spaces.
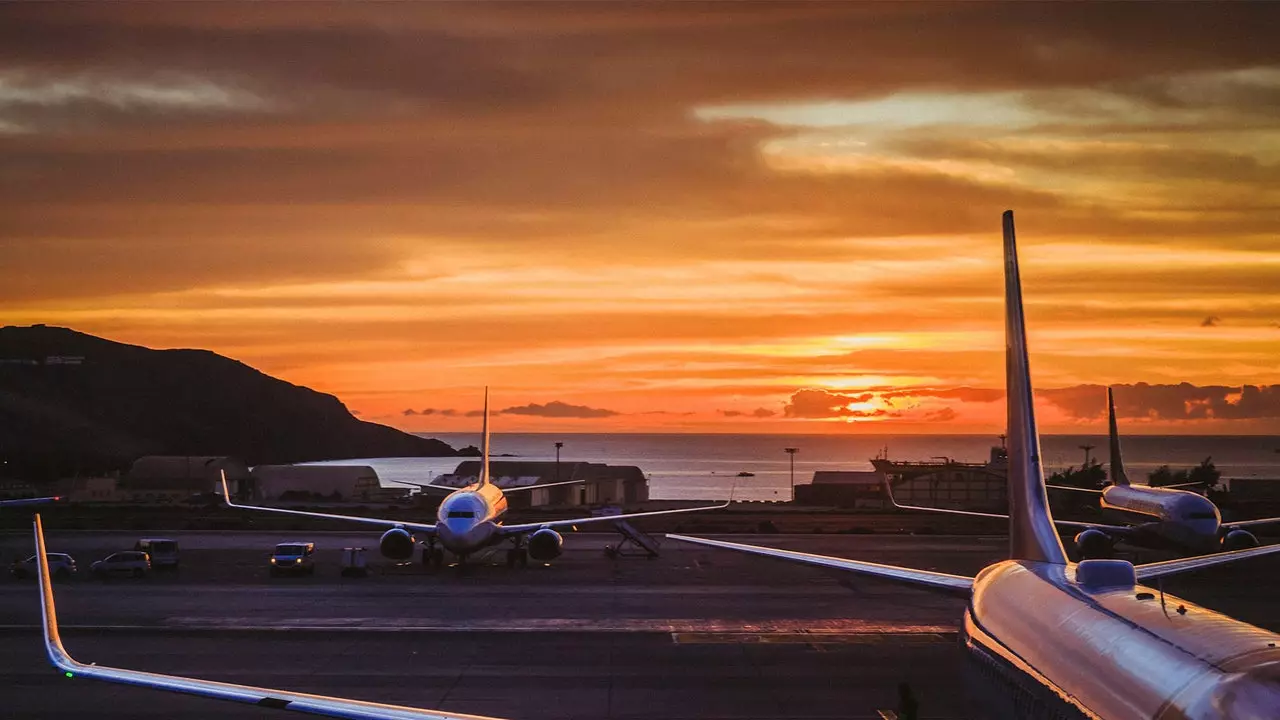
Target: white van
{"x":162,"y":551}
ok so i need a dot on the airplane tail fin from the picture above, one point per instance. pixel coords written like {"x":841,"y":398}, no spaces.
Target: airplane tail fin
{"x":1117,"y":461}
{"x":484,"y":443}
{"x":1032,"y":535}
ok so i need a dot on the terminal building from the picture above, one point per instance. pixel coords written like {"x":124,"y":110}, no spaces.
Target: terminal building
{"x":331,"y":483}
{"x":600,"y":484}
{"x":848,"y":489}
{"x":174,"y":478}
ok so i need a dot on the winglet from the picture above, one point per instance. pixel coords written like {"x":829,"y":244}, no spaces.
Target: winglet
{"x":49,"y":614}
{"x":30,"y":501}
{"x":226,"y":493}
{"x":484,"y":442}
{"x":1118,"y":476}
{"x":1032,"y":535}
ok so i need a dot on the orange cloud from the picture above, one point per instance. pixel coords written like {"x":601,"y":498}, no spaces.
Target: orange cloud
{"x":609,"y":204}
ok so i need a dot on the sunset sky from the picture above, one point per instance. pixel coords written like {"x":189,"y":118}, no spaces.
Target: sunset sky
{"x":675,"y":217}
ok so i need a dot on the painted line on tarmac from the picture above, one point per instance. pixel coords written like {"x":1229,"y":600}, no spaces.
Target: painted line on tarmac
{"x":814,"y":630}
{"x":804,"y":638}
{"x":812,"y":626}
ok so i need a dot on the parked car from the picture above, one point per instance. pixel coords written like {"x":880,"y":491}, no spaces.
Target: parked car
{"x":293,"y":558}
{"x":162,"y":551}
{"x":61,"y":566}
{"x":130,"y":563}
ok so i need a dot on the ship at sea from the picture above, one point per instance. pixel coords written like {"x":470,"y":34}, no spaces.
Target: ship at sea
{"x":945,"y":482}
{"x":942,"y":482}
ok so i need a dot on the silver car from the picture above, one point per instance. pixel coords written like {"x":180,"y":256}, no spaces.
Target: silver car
{"x":61,"y":566}
{"x":129,"y":563}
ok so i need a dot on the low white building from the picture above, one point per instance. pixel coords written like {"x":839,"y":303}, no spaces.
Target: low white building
{"x":354,"y":483}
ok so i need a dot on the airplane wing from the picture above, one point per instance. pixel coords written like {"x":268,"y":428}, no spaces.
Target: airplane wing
{"x":534,"y":526}
{"x":1237,"y":524}
{"x":380,"y":522}
{"x":1200,"y":562}
{"x":428,"y":486}
{"x":246,"y":694}
{"x":1115,"y":529}
{"x":1068,"y":487}
{"x":29,"y":501}
{"x":942,"y":582}
{"x":522,"y":488}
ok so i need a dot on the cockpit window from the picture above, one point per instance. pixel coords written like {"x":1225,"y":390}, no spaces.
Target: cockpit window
{"x":1200,"y":516}
{"x":461,"y":514}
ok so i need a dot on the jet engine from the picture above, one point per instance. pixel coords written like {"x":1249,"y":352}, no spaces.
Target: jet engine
{"x":396,"y":544}
{"x":1094,"y":545}
{"x":1238,"y":540}
{"x":545,"y":544}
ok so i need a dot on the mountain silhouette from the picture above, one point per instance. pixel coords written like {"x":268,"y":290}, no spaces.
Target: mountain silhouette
{"x":75,"y":402}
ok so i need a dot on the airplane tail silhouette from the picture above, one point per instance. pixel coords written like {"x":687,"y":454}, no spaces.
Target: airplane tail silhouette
{"x":1032,"y":535}
{"x":1118,"y":476}
{"x":484,"y":443}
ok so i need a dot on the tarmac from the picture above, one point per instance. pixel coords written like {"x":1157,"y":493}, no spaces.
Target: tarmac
{"x":695,"y":633}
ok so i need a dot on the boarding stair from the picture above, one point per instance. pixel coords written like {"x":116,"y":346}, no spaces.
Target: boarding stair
{"x":634,"y":543}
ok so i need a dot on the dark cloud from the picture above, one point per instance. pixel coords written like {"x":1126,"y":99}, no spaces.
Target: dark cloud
{"x":1170,"y":402}
{"x":945,"y":414}
{"x":473,"y":413}
{"x":759,"y":413}
{"x":557,"y":409}
{"x":276,"y":128}
{"x":1211,"y":321}
{"x":410,"y":412}
{"x":813,"y":403}
{"x":963,"y":394}
{"x":429,"y":411}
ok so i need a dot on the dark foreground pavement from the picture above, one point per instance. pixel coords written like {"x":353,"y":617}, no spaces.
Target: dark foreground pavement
{"x":697,"y":633}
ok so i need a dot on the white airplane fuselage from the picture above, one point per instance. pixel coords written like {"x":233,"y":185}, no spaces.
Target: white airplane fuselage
{"x":468,"y":519}
{"x":1184,"y":520}
{"x":1109,"y":636}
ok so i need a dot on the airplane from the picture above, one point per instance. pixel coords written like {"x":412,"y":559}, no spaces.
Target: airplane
{"x":1048,"y":638}
{"x":1162,"y":518}
{"x":322,"y":705}
{"x":29,"y":501}
{"x":470,"y":520}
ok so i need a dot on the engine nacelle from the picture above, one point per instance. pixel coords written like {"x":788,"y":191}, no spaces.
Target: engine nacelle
{"x":1094,"y":545}
{"x":396,"y":544}
{"x":545,"y":544}
{"x":1238,"y":540}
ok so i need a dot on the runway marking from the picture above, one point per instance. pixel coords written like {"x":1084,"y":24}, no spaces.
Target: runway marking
{"x":813,"y":639}
{"x":814,"y":628}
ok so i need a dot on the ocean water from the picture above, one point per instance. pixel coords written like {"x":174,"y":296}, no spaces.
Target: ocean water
{"x":705,"y":466}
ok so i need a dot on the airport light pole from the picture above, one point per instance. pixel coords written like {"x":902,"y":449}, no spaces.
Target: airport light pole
{"x":1086,"y":449}
{"x":558,"y":446}
{"x":792,"y":453}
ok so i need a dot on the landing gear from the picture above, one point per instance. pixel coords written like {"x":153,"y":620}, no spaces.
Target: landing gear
{"x":432,"y":557}
{"x":518,"y":555}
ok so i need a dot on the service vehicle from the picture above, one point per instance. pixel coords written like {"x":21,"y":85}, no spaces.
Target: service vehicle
{"x":293,"y":558}
{"x":162,"y":551}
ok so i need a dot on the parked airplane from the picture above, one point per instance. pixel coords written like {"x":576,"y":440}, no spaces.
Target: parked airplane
{"x":470,"y":520}
{"x":247,"y":694}
{"x":1164,"y":518}
{"x":29,"y":501}
{"x":1048,"y":638}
